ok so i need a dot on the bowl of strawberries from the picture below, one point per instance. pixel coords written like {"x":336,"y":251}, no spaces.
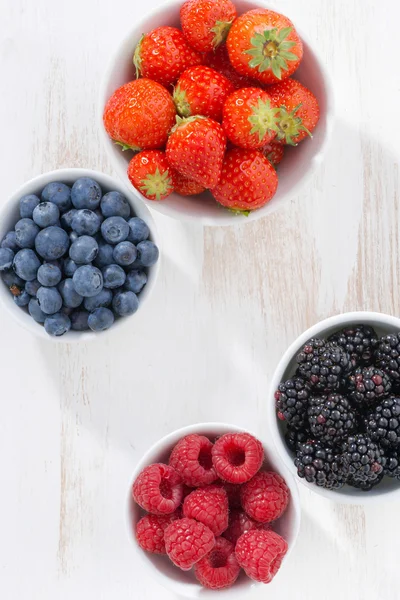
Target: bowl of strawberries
{"x":215,"y":110}
{"x":212,"y":510}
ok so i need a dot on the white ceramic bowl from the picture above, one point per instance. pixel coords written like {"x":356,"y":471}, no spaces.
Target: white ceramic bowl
{"x":9,"y":215}
{"x":183,"y":583}
{"x":383,"y":324}
{"x":299,"y":163}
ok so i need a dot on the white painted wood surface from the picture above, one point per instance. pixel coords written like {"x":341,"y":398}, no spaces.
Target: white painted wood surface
{"x":74,"y":420}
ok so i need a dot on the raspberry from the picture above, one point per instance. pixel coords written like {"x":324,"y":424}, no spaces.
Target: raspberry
{"x":191,"y":457}
{"x":220,"y":568}
{"x":208,"y":505}
{"x":237,"y":457}
{"x":187,"y":541}
{"x":265,"y":497}
{"x":240,"y":523}
{"x":260,"y":554}
{"x":158,"y":489}
{"x":150,"y":531}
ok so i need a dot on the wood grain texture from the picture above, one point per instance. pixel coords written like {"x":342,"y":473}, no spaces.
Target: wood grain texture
{"x":76,"y":419}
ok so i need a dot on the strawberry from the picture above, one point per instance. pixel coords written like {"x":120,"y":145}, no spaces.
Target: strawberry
{"x":149,"y":173}
{"x":250,"y":118}
{"x":139,"y":115}
{"x":196,"y":149}
{"x":202,"y":91}
{"x":265,"y":45}
{"x":248,"y":181}
{"x":273,"y":152}
{"x":206,"y":23}
{"x":219,"y":61}
{"x":299,"y":110}
{"x":185,"y":186}
{"x":163,"y":54}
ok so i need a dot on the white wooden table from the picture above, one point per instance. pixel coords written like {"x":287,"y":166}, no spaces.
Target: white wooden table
{"x":75,"y":419}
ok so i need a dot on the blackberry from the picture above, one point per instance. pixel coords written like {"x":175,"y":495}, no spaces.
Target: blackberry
{"x":383,"y":425}
{"x":392,"y":467}
{"x":320,"y":465}
{"x":359,"y":341}
{"x":387,"y":355}
{"x":292,"y":401}
{"x":365,"y":486}
{"x":295,"y":437}
{"x":366,"y":386}
{"x":323,"y":364}
{"x":331,"y":418}
{"x":363,"y":461}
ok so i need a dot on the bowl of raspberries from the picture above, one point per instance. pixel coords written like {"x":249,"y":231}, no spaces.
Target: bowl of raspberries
{"x":78,"y":254}
{"x":335,"y":411}
{"x":211,"y":509}
{"x":215,"y":110}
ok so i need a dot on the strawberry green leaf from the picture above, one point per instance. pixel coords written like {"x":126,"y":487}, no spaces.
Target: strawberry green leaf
{"x":221,"y":31}
{"x":290,"y":125}
{"x":137,"y":57}
{"x":181,"y":102}
{"x":126,"y":147}
{"x":270,"y":50}
{"x":264,"y":118}
{"x":157,"y":184}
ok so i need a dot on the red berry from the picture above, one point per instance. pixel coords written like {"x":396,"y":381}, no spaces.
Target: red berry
{"x":265,"y":497}
{"x":150,"y":531}
{"x":158,"y":489}
{"x":187,"y":541}
{"x":149,"y":173}
{"x":240,"y":523}
{"x":220,"y":568}
{"x":260,"y":554}
{"x":237,"y":457}
{"x":209,"y":505}
{"x":206,"y":23}
{"x":185,"y":186}
{"x":191,"y":458}
{"x":219,"y":61}
{"x":273,"y":152}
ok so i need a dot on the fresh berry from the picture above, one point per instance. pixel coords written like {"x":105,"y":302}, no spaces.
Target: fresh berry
{"x":206,"y":23}
{"x":138,"y":230}
{"x":50,"y":300}
{"x":273,"y":152}
{"x":392,"y":466}
{"x":135,"y":281}
{"x":84,"y":250}
{"x":88,"y":281}
{"x":69,"y":295}
{"x":359,"y":341}
{"x":265,"y":497}
{"x":191,"y":458}
{"x":196,"y":149}
{"x":148,"y":171}
{"x":114,"y":276}
{"x":331,"y":418}
{"x":219,"y":569}
{"x":32,"y":287}
{"x":70,"y":266}
{"x":25,"y":233}
{"x":26,"y":264}
{"x":187,"y":541}
{"x":124,"y":254}
{"x":265,"y":45}
{"x":49,"y":275}
{"x":35,"y":311}
{"x":46,"y":214}
{"x":363,"y":460}
{"x":299,"y":110}
{"x":114,"y":230}
{"x":125,"y":303}
{"x":86,"y":193}
{"x":383,"y":424}
{"x":158,"y":489}
{"x":59,"y":193}
{"x":366,"y":386}
{"x":163,"y":55}
{"x":291,"y":400}
{"x":105,"y":255}
{"x":295,"y":437}
{"x":320,"y":465}
{"x":219,"y":61}
{"x":6,"y":258}
{"x":52,"y":243}
{"x":66,"y":218}
{"x":248,"y":181}
{"x":102,"y":300}
{"x":27,"y":205}
{"x":147,"y":254}
{"x":150,"y":532}
{"x":86,"y":222}
{"x":114,"y":204}
{"x":249,"y":118}
{"x":185,"y":186}
{"x":237,"y":457}
{"x":139,"y":115}
{"x":240,"y":523}
{"x":57,"y":324}
{"x":22,"y":299}
{"x":387,"y":355}
{"x":209,"y":505}
{"x":260,"y":554}
{"x":323,"y":364}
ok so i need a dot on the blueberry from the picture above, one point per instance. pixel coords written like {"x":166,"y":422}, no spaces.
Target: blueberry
{"x":6,"y":258}
{"x":73,"y":236}
{"x":135,"y":281}
{"x":125,"y":303}
{"x":84,"y":250}
{"x":88,"y":281}
{"x":105,"y":254}
{"x":100,"y":319}
{"x":114,"y":230}
{"x":79,"y":320}
{"x":114,"y":204}
{"x":114,"y":276}
{"x":124,"y":254}
{"x":46,"y":214}
{"x":103,"y":299}
{"x":66,"y":218}
{"x":86,"y":193}
{"x":59,"y":194}
{"x":32,"y":287}
{"x":147,"y":253}
{"x":27,"y":205}
{"x":10,"y":241}
{"x":11,"y":279}
{"x":52,"y":243}
{"x":99,"y":214}
{"x":57,"y":324}
{"x":35,"y":311}
{"x":22,"y":299}
{"x":69,"y":295}
{"x":139,"y":231}
{"x":25,"y":233}
{"x":49,"y":300}
{"x":49,"y":275}
{"x":85,"y":222}
{"x":69,"y":267}
{"x":26,"y":264}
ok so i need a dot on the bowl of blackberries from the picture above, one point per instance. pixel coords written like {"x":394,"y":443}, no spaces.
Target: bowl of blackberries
{"x":335,"y":407}
{"x":78,"y":254}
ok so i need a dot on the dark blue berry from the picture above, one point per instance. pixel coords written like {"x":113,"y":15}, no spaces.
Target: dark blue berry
{"x":147,"y":253}
{"x":114,"y":204}
{"x":125,"y":303}
{"x":22,"y":299}
{"x":10,"y":241}
{"x":69,"y":267}
{"x":59,"y":194}
{"x":88,"y":281}
{"x":49,"y":300}
{"x":57,"y":324}
{"x":135,"y":281}
{"x":66,"y":218}
{"x":84,"y":250}
{"x":103,"y":299}
{"x":6,"y":258}
{"x":85,"y":222}
{"x":139,"y":231}
{"x":27,"y":205}
{"x":46,"y":214}
{"x":32,"y":287}
{"x":100,"y":319}
{"x":52,"y":243}
{"x":114,"y":276}
{"x":115,"y":230}
{"x":26,"y":264}
{"x":35,"y":311}
{"x":124,"y":254}
{"x":25,"y":233}
{"x":70,"y":296}
{"x":105,"y":254}
{"x":49,"y":275}
{"x":86,"y":193}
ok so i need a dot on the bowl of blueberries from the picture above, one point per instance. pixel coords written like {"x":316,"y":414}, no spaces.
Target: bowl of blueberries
{"x":78,"y":254}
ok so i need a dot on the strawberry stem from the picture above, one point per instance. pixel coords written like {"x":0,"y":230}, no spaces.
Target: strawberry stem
{"x":221,"y":31}
{"x":157,"y":185}
{"x":137,"y":58}
{"x":271,"y":50}
{"x":181,"y":103}
{"x":264,"y":118}
{"x":290,"y":125}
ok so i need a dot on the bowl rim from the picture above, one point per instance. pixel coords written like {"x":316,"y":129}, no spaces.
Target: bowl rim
{"x":207,"y":428}
{"x":339,"y":321}
{"x":227,"y":218}
{"x":107,"y":181}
